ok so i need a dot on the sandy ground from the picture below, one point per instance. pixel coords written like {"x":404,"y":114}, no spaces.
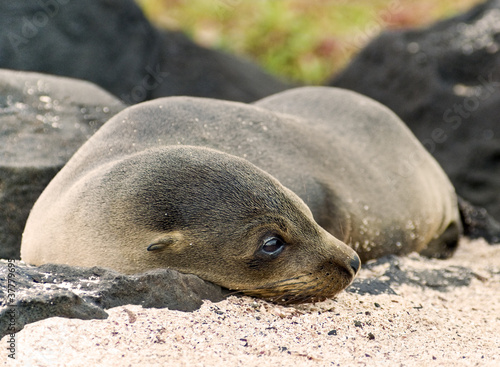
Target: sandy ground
{"x":416,"y":327}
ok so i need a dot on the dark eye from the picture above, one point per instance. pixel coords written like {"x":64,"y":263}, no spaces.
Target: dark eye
{"x":273,"y":246}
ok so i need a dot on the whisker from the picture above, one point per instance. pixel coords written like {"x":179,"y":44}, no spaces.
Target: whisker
{"x":310,"y":287}
{"x":277,"y":283}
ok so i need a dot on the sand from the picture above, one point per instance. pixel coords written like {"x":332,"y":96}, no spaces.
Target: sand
{"x":415,"y":327}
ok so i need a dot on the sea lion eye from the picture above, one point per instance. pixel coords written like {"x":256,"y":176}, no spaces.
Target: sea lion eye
{"x":273,"y":246}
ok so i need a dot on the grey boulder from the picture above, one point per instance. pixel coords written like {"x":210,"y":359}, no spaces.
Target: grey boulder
{"x":29,"y":294}
{"x":43,"y":121}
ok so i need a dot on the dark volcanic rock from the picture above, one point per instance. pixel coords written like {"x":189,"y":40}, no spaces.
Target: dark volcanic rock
{"x":37,"y":293}
{"x":478,"y":223}
{"x":110,"y":43}
{"x":43,"y":121}
{"x":190,"y":70}
{"x":392,"y":271}
{"x":444,"y":82}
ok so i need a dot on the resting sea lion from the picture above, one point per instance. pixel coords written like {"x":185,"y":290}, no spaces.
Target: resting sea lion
{"x":234,"y":193}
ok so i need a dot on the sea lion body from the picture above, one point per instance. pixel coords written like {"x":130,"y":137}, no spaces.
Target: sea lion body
{"x":364,"y":175}
{"x":203,"y":184}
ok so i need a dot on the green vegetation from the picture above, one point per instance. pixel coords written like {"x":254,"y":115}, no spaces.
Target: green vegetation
{"x":302,"y":40}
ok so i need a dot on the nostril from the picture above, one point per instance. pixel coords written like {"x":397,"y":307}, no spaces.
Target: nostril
{"x":355,"y":264}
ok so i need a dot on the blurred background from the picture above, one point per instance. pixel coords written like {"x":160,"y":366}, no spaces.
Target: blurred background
{"x":299,"y":40}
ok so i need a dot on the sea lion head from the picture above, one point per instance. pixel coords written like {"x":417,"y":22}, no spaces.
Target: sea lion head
{"x":211,"y":214}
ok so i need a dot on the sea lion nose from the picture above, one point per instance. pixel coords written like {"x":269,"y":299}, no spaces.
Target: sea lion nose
{"x":355,"y":263}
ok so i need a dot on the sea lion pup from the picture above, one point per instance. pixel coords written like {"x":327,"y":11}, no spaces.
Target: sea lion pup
{"x":195,"y":210}
{"x":174,"y":183}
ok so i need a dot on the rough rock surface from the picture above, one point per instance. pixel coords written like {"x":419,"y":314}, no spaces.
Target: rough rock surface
{"x":111,"y":43}
{"x":43,"y":121}
{"x":444,"y":82}
{"x":37,"y":293}
{"x":395,"y":271}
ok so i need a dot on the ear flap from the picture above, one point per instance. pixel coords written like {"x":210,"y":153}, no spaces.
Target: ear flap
{"x":158,"y":246}
{"x":164,"y":241}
